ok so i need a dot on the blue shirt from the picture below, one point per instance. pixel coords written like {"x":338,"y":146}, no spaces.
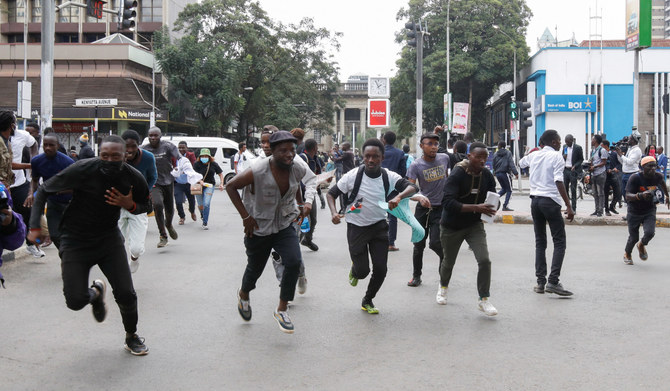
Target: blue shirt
{"x":394,"y":160}
{"x":147,"y":167}
{"x":44,"y":167}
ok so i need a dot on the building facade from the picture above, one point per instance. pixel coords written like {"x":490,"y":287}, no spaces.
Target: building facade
{"x":583,"y":91}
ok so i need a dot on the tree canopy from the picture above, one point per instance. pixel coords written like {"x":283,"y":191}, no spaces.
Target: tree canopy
{"x":480,"y":57}
{"x":231,"y":62}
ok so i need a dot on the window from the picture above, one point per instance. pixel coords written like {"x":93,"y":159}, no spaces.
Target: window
{"x":93,"y":37}
{"x":36,"y":12}
{"x":16,"y":10}
{"x":68,"y":14}
{"x":67,"y":38}
{"x":151,"y":10}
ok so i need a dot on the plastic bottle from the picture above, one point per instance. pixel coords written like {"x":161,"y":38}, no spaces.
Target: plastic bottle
{"x":304,"y":227}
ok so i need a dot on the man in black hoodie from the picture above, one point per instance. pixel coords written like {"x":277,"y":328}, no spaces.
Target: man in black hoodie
{"x":463,"y":203}
{"x":503,"y":164}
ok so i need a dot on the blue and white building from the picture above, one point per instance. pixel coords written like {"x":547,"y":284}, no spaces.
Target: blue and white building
{"x":582,"y":91}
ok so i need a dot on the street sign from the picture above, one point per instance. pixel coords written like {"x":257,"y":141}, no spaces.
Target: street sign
{"x":96,"y":102}
{"x":379,"y":113}
{"x":23,"y":99}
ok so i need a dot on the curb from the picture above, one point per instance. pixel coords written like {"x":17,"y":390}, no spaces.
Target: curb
{"x":663,"y":222}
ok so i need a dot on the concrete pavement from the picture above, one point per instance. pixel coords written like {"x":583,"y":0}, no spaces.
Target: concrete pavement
{"x":610,"y":335}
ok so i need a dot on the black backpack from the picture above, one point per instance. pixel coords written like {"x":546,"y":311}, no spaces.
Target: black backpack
{"x":357,"y":185}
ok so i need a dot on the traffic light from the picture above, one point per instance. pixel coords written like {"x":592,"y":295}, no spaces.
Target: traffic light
{"x":524,"y":115}
{"x":513,"y":113}
{"x":666,"y":104}
{"x":94,"y":8}
{"x":127,"y":14}
{"x":411,"y":33}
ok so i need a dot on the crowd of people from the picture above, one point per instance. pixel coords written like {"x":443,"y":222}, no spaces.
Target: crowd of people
{"x":276,"y":195}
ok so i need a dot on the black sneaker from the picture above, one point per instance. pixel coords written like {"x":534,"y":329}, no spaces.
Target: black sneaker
{"x":243,"y":307}
{"x":557,"y":289}
{"x":539,"y":288}
{"x":310,"y":245}
{"x":415,"y":281}
{"x":98,"y":304}
{"x":506,"y":209}
{"x":614,"y":211}
{"x":607,"y":213}
{"x":172,"y":232}
{"x":135,"y":345}
{"x":594,"y":214}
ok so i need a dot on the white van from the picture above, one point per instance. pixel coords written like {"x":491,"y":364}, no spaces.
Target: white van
{"x":222,"y":149}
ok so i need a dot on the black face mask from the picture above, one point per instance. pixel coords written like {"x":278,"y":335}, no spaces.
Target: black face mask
{"x":110,"y":169}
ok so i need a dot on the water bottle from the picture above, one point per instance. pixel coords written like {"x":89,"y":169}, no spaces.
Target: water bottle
{"x":304,"y":227}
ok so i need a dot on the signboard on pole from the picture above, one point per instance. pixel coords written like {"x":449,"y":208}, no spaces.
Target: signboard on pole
{"x":460,"y":118}
{"x":447,"y":112}
{"x":638,"y":24}
{"x":23,"y":99}
{"x":379,"y":113}
{"x":96,"y":102}
{"x":567,"y":104}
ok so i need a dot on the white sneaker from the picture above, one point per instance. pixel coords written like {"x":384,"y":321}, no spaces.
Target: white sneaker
{"x":302,"y":285}
{"x":487,"y":308}
{"x":35,"y":251}
{"x":441,"y":297}
{"x":134,"y":265}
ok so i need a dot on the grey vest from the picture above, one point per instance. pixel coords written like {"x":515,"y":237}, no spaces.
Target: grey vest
{"x":264,"y":201}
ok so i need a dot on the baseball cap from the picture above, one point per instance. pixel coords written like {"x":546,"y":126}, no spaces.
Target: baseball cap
{"x":281,"y":136}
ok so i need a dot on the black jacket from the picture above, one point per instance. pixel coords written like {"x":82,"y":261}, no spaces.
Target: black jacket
{"x":464,"y":188}
{"x":503,"y":162}
{"x":577,"y":156}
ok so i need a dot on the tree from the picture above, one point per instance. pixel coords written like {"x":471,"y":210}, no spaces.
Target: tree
{"x":233,"y":62}
{"x":480,"y":57}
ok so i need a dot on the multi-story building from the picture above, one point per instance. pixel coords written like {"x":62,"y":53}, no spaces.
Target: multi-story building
{"x":90,"y":61}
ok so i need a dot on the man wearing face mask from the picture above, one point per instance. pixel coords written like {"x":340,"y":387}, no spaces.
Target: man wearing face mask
{"x":105,"y":185}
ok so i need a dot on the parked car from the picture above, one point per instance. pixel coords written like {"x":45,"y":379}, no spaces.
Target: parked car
{"x":223,"y":150}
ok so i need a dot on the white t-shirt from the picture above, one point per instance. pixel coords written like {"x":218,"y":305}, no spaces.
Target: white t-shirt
{"x":242,"y":161}
{"x":19,"y":140}
{"x":371,"y":192}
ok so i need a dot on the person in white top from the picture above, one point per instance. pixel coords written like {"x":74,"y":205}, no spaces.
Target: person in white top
{"x":241,"y":162}
{"x":546,"y":190}
{"x":631,"y":160}
{"x":21,"y":187}
{"x":367,"y":229}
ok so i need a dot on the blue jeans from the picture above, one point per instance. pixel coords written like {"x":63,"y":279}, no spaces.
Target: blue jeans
{"x":182,"y":192}
{"x":204,"y":200}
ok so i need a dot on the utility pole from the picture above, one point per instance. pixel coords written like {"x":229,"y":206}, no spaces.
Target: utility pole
{"x":46,"y":71}
{"x":415,"y":35}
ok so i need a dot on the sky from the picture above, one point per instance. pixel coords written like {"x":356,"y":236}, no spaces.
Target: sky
{"x":369,"y":26}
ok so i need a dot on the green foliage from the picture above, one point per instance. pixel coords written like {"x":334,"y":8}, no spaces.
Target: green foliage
{"x":232,"y":62}
{"x":480,"y":57}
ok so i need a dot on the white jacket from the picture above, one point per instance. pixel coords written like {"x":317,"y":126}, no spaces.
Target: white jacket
{"x":184,"y":167}
{"x":631,"y":162}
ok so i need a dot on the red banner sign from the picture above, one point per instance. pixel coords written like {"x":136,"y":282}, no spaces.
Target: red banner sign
{"x":379,"y":113}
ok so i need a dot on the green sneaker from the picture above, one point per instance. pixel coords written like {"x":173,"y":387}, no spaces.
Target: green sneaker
{"x":370,"y":308}
{"x":353,"y":281}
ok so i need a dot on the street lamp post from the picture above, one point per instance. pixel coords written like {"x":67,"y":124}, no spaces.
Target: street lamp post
{"x":516,"y":123}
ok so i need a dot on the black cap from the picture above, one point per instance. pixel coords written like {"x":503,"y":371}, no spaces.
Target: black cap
{"x":429,"y":135}
{"x":280,"y":137}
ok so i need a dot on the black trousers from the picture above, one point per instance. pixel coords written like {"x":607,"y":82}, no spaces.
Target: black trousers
{"x":545,"y":210}
{"x":19,"y":195}
{"x":162,"y":197}
{"x":429,"y":218}
{"x":374,"y":240}
{"x":613,"y":183}
{"x":570,"y":179}
{"x":648,"y":223}
{"x":54,"y":216}
{"x":284,"y":242}
{"x":107,"y":251}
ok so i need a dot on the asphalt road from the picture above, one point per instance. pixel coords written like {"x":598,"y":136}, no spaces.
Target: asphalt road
{"x":611,"y":335}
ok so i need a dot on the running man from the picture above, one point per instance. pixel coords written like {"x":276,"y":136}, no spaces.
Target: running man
{"x":367,"y":230}
{"x":464,"y":195}
{"x":90,"y":232}
{"x":45,"y":166}
{"x":162,"y":194}
{"x":430,"y":171}
{"x":134,"y":226}
{"x":645,"y":190}
{"x":268,"y":213}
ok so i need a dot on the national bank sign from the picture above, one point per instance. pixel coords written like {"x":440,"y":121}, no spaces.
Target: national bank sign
{"x":568,"y":103}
